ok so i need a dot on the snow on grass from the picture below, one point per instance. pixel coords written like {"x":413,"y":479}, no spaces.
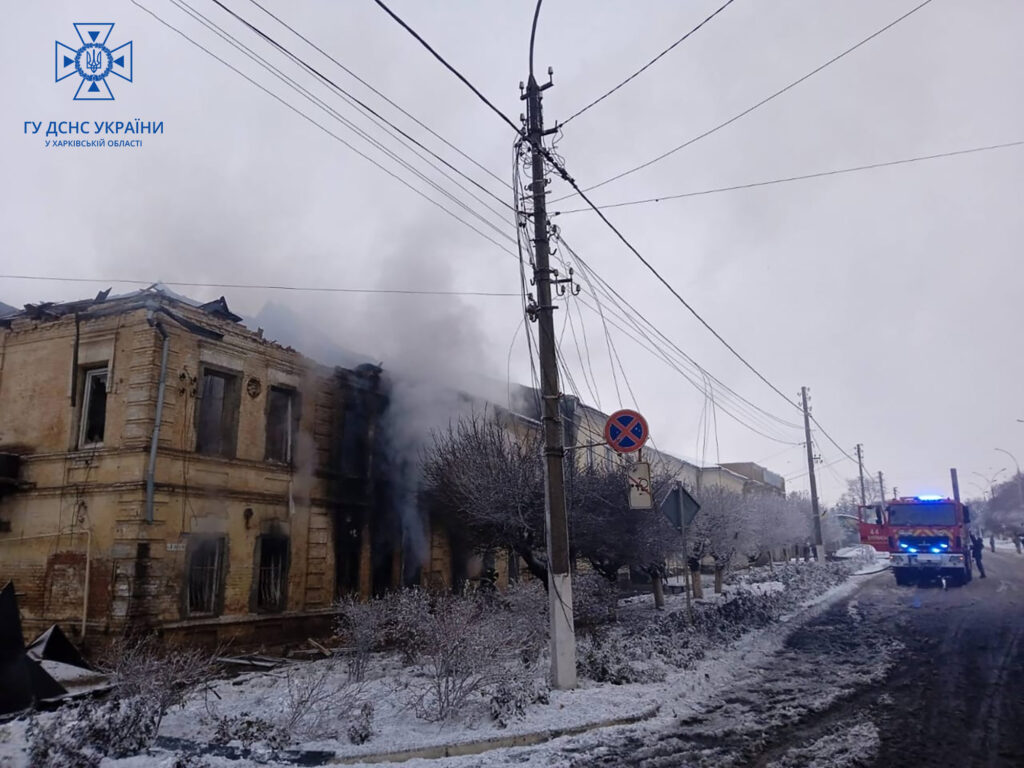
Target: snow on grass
{"x":666,"y":664}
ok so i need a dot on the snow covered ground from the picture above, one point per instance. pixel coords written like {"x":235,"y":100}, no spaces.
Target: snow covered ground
{"x":647,"y":664}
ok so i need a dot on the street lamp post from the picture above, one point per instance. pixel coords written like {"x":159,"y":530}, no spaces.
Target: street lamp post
{"x":991,"y":481}
{"x":1020,"y":483}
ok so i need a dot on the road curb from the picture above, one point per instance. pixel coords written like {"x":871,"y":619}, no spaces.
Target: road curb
{"x":497,"y":742}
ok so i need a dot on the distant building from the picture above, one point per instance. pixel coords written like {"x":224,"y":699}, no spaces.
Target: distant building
{"x":758,"y":478}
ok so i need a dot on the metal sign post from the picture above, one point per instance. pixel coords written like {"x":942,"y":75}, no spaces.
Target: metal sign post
{"x":640,"y":486}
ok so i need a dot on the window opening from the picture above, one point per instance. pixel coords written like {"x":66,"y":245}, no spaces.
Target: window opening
{"x":204,"y":576}
{"x":273,"y":575}
{"x":217,"y":425}
{"x":94,"y":408}
{"x":282,"y":416}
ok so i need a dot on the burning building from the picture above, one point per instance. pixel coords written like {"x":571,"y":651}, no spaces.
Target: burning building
{"x":165,"y":468}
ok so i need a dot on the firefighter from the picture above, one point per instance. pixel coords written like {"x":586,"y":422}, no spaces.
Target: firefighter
{"x":977,"y":547}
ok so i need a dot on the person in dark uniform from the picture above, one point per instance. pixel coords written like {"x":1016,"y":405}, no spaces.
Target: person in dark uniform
{"x":977,"y":547}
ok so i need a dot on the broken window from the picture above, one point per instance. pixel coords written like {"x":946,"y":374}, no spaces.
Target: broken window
{"x":273,"y":573}
{"x":217,"y":417}
{"x":282,"y":424}
{"x":205,"y":576}
{"x":94,"y":408}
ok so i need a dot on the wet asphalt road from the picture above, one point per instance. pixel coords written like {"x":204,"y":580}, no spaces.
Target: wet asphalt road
{"x":890,"y":677}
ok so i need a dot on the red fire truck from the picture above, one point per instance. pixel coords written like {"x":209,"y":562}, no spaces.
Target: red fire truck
{"x":927,"y":538}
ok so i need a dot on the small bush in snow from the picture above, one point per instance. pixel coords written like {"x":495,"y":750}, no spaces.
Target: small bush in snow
{"x":149,"y":682}
{"x":511,"y":695}
{"x":362,"y":626}
{"x":320,"y":700}
{"x":249,"y":730}
{"x":594,"y":600}
{"x":361,"y":728}
{"x":607,"y":659}
{"x":160,"y":678}
{"x":406,"y":614}
{"x":466,"y":644}
{"x":82,"y":735}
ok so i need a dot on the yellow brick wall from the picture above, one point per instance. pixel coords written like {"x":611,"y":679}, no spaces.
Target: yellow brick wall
{"x":102,"y":490}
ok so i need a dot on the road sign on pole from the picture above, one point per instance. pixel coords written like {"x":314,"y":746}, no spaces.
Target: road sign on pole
{"x":626,"y":431}
{"x":640,"y":486}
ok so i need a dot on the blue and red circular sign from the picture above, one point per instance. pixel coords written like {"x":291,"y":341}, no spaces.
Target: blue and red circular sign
{"x":626,"y":431}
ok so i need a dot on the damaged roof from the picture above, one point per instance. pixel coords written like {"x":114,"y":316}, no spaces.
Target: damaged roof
{"x":49,"y":310}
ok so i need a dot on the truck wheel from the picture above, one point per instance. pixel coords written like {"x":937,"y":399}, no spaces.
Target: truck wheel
{"x":903,"y":576}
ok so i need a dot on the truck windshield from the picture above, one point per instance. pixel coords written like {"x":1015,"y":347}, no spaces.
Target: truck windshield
{"x":922,"y":514}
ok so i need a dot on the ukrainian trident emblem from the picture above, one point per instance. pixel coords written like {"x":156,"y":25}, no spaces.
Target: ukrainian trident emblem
{"x":93,"y":61}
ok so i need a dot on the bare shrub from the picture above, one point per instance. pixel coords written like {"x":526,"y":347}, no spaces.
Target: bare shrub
{"x":82,"y":735}
{"x":320,"y":700}
{"x":406,"y":616}
{"x":515,"y":691}
{"x":361,"y":728}
{"x":149,"y":682}
{"x":608,"y":659}
{"x":161,"y":678}
{"x":249,"y":730}
{"x":466,"y":646}
{"x":362,"y":625}
{"x":594,"y":600}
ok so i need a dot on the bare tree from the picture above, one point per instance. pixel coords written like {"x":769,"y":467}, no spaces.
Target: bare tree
{"x":485,"y":475}
{"x":489,"y":482}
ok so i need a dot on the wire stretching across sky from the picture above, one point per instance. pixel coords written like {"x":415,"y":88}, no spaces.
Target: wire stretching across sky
{"x":646,"y":66}
{"x":803,"y":177}
{"x":327,"y":108}
{"x":302,"y":288}
{"x":353,"y":75}
{"x":564,"y":174}
{"x":322,"y":127}
{"x":748,"y":110}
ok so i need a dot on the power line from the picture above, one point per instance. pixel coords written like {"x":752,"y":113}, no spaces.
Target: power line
{"x":324,"y":106}
{"x":572,"y":182}
{"x":634,"y":317}
{"x":759,"y":104}
{"x":324,"y":78}
{"x":448,"y":66}
{"x":803,"y":177}
{"x":352,"y":74}
{"x":322,"y":127}
{"x":311,"y":289}
{"x":646,"y":66}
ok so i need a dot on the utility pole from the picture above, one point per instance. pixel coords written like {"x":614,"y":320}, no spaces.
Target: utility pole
{"x":563,"y":634}
{"x":860,"y":469}
{"x":814,"y":482}
{"x":881,"y":487}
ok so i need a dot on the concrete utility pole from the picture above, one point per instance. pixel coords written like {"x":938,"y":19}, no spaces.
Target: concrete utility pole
{"x":563,"y":633}
{"x":814,"y":481}
{"x":881,"y":487}
{"x":860,"y":469}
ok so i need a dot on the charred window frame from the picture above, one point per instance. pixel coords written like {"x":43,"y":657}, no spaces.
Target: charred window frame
{"x":282,"y":424}
{"x":93,"y":415}
{"x":273,"y":558}
{"x":217,"y":412}
{"x":204,"y":595}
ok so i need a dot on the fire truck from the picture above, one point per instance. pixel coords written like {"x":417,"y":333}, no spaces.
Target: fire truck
{"x":927,"y":538}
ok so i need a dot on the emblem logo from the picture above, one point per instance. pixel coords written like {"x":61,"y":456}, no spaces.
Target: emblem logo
{"x":93,"y":61}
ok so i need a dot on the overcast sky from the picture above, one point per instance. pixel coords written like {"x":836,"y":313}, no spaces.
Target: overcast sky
{"x":893,"y":293}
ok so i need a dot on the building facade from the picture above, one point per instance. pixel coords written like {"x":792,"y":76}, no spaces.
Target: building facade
{"x":165,"y":468}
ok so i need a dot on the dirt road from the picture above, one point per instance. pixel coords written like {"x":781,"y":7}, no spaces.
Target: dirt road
{"x":894,"y":676}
